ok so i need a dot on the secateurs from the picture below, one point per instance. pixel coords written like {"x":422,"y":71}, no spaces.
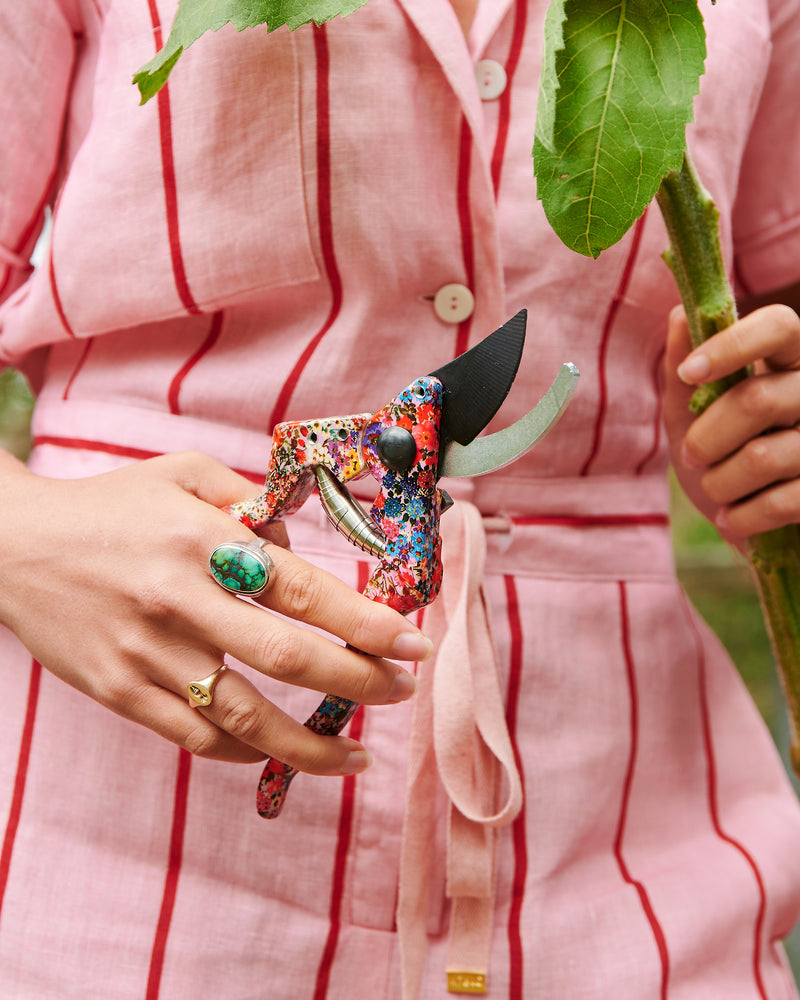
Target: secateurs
{"x":429,"y":430}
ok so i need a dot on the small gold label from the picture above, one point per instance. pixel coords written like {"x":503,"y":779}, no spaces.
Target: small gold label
{"x":466,"y":982}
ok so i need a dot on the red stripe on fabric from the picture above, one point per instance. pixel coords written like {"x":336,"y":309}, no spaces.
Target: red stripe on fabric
{"x":34,"y":220}
{"x":170,"y":186}
{"x":343,"y":838}
{"x":504,"y":110}
{"x":516,"y":954}
{"x":713,"y":805}
{"x":86,"y":445}
{"x":465,"y":225}
{"x":608,"y":324}
{"x":124,"y":451}
{"x":325,"y":216}
{"x":155,"y":20}
{"x":173,"y":873}
{"x":76,"y":370}
{"x":593,"y":520}
{"x":174,"y":390}
{"x":23,"y":758}
{"x":658,"y":389}
{"x":6,"y":280}
{"x":655,"y":926}
{"x":56,"y":297}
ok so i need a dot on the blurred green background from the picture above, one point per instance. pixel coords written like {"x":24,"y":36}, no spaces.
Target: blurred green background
{"x":15,"y":412}
{"x":716,"y":580}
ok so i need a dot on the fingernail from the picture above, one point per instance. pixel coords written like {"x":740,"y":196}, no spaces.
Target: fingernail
{"x":689,"y":460}
{"x":734,"y":538}
{"x":405,"y":684}
{"x":355,"y":762}
{"x":694,"y":369}
{"x":721,"y":521}
{"x":412,"y":646}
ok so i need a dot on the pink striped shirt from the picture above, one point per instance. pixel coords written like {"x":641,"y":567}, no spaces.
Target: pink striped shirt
{"x":266,"y":240}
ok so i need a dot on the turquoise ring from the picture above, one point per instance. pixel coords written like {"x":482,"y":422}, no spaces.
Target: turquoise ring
{"x":242,"y":567}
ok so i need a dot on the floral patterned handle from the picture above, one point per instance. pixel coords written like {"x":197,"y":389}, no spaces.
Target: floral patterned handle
{"x":329,"y":719}
{"x":399,"y":447}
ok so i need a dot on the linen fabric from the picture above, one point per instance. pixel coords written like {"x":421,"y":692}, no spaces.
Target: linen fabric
{"x":264,"y":241}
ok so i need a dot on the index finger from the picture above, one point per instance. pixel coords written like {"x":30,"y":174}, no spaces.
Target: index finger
{"x":313,"y":596}
{"x":771,"y":334}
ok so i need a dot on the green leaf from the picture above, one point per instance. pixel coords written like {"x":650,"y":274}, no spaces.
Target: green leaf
{"x":618,"y":81}
{"x":548,"y":85}
{"x":195,"y":17}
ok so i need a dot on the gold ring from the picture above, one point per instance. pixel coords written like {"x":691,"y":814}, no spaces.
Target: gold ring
{"x":201,"y":692}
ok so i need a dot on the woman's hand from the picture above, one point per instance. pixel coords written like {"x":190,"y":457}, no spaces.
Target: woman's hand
{"x":739,"y":461}
{"x":106,"y":581}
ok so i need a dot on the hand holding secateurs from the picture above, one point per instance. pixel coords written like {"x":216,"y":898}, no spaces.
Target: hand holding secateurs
{"x":428,"y":431}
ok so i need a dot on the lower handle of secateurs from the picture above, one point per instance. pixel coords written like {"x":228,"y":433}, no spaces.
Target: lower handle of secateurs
{"x":329,"y":719}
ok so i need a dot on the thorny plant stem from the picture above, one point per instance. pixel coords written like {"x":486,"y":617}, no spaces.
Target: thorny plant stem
{"x":695,"y":258}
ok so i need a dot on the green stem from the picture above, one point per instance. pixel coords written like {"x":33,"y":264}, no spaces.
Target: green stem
{"x":775,"y":561}
{"x":695,"y":257}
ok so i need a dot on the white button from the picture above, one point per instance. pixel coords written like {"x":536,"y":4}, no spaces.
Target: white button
{"x":491,"y":79}
{"x":454,"y":303}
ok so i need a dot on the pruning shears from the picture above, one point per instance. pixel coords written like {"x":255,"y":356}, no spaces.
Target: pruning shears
{"x":428,"y":431}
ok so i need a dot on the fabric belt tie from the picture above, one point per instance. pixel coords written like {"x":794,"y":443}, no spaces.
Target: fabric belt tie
{"x":458,"y":730}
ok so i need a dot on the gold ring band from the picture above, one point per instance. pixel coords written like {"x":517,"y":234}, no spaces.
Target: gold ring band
{"x":202,"y":692}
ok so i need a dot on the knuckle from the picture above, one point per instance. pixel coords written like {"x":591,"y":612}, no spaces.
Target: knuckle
{"x":189,"y":465}
{"x":314,"y":759}
{"x":713,"y":489}
{"x":302,"y":592}
{"x":693,"y":445}
{"x":735,"y":341}
{"x":203,"y":741}
{"x":244,"y":719}
{"x":124,"y":695}
{"x":371,"y":624}
{"x":117,"y":694}
{"x":188,"y":534}
{"x":776,"y":507}
{"x":785,"y":320}
{"x":134,"y":646}
{"x":278,"y":652}
{"x":162,"y":591}
{"x":755,"y":398}
{"x":757,"y":458}
{"x":194,"y":458}
{"x":361,"y":687}
{"x":158,"y":600}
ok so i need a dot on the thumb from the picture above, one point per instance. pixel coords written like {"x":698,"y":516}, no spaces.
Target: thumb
{"x":216,"y":484}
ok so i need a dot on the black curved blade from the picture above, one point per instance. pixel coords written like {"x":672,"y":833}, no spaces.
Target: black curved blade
{"x":476,"y":383}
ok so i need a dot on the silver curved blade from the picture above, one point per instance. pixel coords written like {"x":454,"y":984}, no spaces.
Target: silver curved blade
{"x":493,"y":451}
